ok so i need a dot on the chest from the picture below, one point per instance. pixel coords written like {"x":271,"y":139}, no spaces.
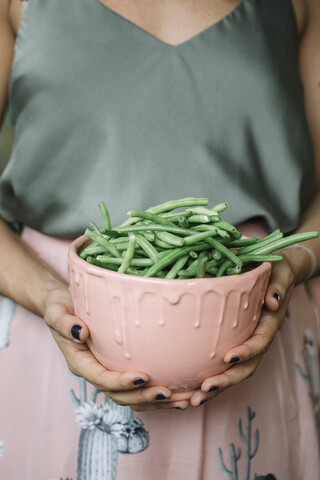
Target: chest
{"x":175,"y":21}
{"x":172,"y":21}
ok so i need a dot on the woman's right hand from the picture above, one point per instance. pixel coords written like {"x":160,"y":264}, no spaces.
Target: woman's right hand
{"x":120,"y":387}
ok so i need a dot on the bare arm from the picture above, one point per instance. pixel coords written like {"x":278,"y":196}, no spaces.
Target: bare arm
{"x":310,"y":74}
{"x":30,"y":282}
{"x":296,"y":263}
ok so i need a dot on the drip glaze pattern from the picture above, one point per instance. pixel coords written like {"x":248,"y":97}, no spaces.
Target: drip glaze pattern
{"x":177,"y":331}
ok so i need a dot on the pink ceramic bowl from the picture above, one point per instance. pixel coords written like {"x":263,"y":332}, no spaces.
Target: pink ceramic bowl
{"x":177,"y":331}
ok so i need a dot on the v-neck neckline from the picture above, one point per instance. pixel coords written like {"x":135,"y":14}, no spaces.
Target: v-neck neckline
{"x":158,"y":40}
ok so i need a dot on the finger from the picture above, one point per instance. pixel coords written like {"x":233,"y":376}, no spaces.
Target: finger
{"x":67,"y":325}
{"x":140,"y":396}
{"x":224,"y":380}
{"x":281,"y":281}
{"x":160,"y":406}
{"x":81,"y":362}
{"x":260,"y":341}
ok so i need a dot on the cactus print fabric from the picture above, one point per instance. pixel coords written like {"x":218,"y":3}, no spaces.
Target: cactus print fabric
{"x":61,"y":427}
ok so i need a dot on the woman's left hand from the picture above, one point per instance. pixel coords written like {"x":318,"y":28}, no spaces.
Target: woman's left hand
{"x":246,"y":357}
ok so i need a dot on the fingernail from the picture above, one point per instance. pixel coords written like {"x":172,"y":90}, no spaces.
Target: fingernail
{"x":75,"y":331}
{"x":213,"y":389}
{"x":161,"y":397}
{"x":234,"y":360}
{"x":138,"y":381}
{"x":277,"y":297}
{"x":203,"y":401}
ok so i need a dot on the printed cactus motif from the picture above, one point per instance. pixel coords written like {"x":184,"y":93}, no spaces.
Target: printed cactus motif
{"x":247,"y":439}
{"x":133,"y":438}
{"x":107,"y":429}
{"x":251,"y":449}
{"x":7,"y":309}
{"x":234,"y":457}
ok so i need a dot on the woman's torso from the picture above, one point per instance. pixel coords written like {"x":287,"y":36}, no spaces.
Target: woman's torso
{"x":168,"y":115}
{"x":144,"y":13}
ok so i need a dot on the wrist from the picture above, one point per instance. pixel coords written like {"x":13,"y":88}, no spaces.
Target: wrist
{"x":302,"y":261}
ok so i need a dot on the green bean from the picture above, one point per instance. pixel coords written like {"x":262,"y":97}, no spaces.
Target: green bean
{"x":150,"y":216}
{"x":228,"y":228}
{"x":198,"y":237}
{"x":249,"y":258}
{"x":95,"y":227}
{"x":149,"y":236}
{"x":118,"y":240}
{"x":111,"y":233}
{"x":175,"y":215}
{"x":219,"y":231}
{"x":216,"y":255}
{"x":260,"y":244}
{"x":154,"y":228}
{"x":102,"y":241}
{"x":199,"y":219}
{"x":178,"y":265}
{"x":183,"y":222}
{"x":135,"y":271}
{"x":193,"y":254}
{"x":213,"y":270}
{"x":224,"y":250}
{"x":233,"y":270}
{"x":212,"y":263}
{"x":244,"y":242}
{"x":162,"y":244}
{"x":105,"y":216}
{"x":135,"y":262}
{"x":168,"y":206}
{"x":129,"y":254}
{"x":220,"y":207}
{"x":203,"y":260}
{"x":204,"y":211}
{"x":92,"y":251}
{"x":171,"y":257}
{"x":171,"y":239}
{"x":285,"y":242}
{"x":94,"y":261}
{"x":180,"y":203}
{"x":147,"y":247}
{"x":260,"y":258}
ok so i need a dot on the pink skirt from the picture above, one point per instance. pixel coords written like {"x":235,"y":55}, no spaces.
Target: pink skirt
{"x":53,"y":425}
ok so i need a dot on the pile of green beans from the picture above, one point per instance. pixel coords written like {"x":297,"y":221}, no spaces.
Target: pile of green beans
{"x":180,"y":239}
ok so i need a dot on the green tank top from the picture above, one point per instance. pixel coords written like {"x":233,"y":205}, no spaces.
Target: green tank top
{"x":103,"y":110}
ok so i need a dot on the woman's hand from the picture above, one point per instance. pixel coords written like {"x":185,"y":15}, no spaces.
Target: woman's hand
{"x":246,"y":357}
{"x":122,"y":388}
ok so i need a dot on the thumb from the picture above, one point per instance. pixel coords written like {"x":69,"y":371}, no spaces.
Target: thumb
{"x":281,"y":281}
{"x":59,"y":316}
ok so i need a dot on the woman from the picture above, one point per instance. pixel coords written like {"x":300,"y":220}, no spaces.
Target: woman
{"x":208,"y":91}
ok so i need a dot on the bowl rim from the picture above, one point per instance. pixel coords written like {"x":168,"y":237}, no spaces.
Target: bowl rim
{"x":79,"y":242}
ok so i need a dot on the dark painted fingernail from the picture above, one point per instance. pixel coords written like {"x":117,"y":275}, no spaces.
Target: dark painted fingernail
{"x":277,"y":297}
{"x":161,"y":397}
{"x":213,"y":389}
{"x":203,"y":401}
{"x":75,"y":331}
{"x":138,"y":381}
{"x":235,"y":360}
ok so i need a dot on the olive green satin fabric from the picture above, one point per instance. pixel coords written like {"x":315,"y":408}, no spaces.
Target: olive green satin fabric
{"x":102,"y":110}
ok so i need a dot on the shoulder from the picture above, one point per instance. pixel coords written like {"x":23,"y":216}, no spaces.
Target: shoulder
{"x":10,"y":14}
{"x":307,"y":13}
{"x":301,"y":14}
